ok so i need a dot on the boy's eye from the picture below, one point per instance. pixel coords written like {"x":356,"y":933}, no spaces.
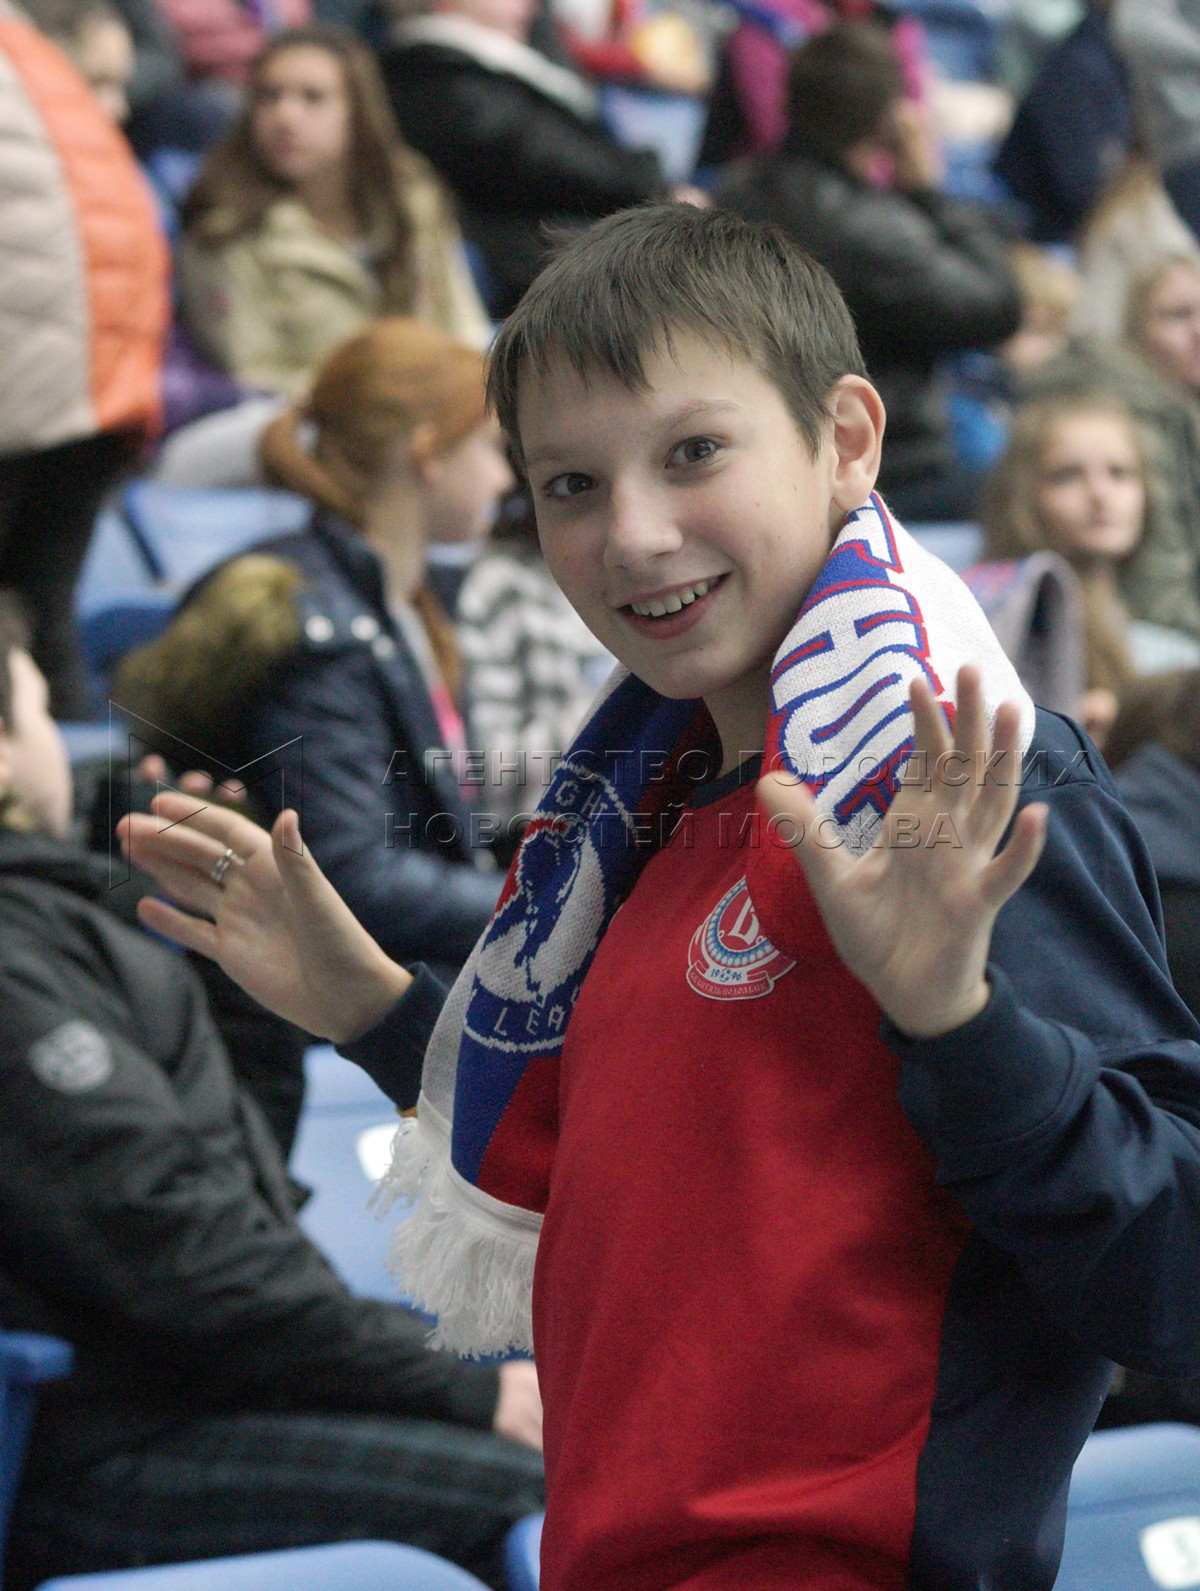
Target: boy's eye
{"x":569,"y":484}
{"x":696,"y":450}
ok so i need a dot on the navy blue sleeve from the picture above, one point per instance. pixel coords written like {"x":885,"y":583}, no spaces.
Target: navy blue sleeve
{"x":393,"y":1051}
{"x":1066,"y":1117}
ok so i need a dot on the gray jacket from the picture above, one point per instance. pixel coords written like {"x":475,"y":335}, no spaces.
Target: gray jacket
{"x":1160,"y":41}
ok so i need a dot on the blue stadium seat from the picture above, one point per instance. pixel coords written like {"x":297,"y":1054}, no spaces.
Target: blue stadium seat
{"x":1133,"y":1516}
{"x":785,"y":29}
{"x":522,"y":1553}
{"x":112,"y":625}
{"x":961,"y":36}
{"x":91,"y":742}
{"x":344,"y":1566}
{"x":26,"y":1360}
{"x":342,"y":1148}
{"x":670,"y":124}
{"x":957,"y":544}
{"x":185,"y":531}
{"x":116,"y":562}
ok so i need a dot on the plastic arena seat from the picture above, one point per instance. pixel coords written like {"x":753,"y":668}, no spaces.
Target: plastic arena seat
{"x":26,"y":1360}
{"x":344,"y":1566}
{"x":343,"y":1145}
{"x":670,"y":124}
{"x":185,"y":530}
{"x":116,"y":562}
{"x":522,"y":1553}
{"x":112,"y":625}
{"x":1133,"y":1515}
{"x":957,"y":543}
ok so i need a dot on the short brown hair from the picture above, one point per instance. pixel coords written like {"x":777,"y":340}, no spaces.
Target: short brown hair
{"x":620,"y":290}
{"x":842,"y":87}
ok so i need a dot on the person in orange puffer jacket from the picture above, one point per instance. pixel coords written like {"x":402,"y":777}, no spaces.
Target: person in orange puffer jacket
{"x":84,"y":308}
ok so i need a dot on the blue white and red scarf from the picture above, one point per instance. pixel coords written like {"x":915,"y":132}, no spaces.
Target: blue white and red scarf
{"x":477,"y":1160}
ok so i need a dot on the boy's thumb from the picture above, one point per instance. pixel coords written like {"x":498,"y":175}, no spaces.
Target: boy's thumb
{"x":303,"y":879}
{"x":301,"y":876}
{"x":285,"y":836}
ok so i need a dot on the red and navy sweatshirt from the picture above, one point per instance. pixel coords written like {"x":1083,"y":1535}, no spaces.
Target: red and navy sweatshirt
{"x":819,"y":1306}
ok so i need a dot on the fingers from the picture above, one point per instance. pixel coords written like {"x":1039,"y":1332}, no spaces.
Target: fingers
{"x":929,"y":721}
{"x":187,"y":886}
{"x":785,"y":796}
{"x":309,"y":891}
{"x":183,"y":813}
{"x":193,"y":933}
{"x":149,"y":843}
{"x":152,"y":769}
{"x":1007,"y":871}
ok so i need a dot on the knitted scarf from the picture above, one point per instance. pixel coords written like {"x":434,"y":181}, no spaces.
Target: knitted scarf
{"x":476,"y":1162}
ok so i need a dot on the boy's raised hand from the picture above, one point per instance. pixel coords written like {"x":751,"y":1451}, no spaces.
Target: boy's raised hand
{"x":912,"y":917}
{"x":259,"y":905}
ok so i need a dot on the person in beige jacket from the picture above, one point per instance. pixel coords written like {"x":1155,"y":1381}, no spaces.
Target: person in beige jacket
{"x":311,"y":218}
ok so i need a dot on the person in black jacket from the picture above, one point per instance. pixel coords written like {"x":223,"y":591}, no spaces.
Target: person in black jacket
{"x":1154,"y":750}
{"x":1072,"y":131}
{"x":517,"y":137}
{"x":924,"y":275}
{"x":229,"y":1394}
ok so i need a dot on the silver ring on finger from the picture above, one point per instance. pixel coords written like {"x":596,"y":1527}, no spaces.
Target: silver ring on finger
{"x":222,"y":865}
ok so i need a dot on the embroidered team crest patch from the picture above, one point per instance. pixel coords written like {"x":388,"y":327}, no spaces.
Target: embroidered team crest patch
{"x":730,"y":958}
{"x":73,"y":1059}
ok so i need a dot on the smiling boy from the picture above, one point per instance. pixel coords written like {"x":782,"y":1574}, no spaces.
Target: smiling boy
{"x":836,"y":1185}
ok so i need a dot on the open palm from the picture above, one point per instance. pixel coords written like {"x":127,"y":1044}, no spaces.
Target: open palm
{"x":912,"y":917}
{"x":273,"y":922}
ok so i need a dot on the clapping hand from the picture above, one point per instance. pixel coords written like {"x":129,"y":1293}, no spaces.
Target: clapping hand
{"x":912,"y":917}
{"x":259,"y":906}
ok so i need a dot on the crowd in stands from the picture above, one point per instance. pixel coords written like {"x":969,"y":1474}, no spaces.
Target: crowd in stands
{"x":268,"y":244}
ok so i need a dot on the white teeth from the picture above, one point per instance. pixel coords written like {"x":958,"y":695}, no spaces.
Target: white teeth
{"x":658,"y":606}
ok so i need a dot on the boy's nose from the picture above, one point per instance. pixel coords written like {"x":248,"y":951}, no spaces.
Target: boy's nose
{"x":640,"y":528}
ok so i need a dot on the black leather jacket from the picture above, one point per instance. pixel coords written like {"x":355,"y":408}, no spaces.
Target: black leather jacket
{"x":514,"y":157}
{"x":924,"y":275}
{"x":145,"y":1213}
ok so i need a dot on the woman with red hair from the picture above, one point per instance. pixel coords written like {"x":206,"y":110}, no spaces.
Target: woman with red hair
{"x":321,"y":667}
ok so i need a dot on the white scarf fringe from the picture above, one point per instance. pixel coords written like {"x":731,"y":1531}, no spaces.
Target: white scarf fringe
{"x":460,"y":1254}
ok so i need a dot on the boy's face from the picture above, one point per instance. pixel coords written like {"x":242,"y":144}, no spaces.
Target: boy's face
{"x":685,"y":523}
{"x":33,"y":757}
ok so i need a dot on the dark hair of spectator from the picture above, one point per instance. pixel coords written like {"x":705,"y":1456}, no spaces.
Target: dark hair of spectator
{"x":14,"y":637}
{"x":632,"y":282}
{"x":1160,"y":708}
{"x":842,"y":87}
{"x":234,"y":189}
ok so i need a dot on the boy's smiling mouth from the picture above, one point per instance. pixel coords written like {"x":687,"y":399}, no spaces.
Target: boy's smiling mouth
{"x":681,"y":597}
{"x":673,"y":610}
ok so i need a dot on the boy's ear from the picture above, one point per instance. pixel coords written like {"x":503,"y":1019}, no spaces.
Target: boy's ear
{"x":422,"y":450}
{"x":858,"y":424}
